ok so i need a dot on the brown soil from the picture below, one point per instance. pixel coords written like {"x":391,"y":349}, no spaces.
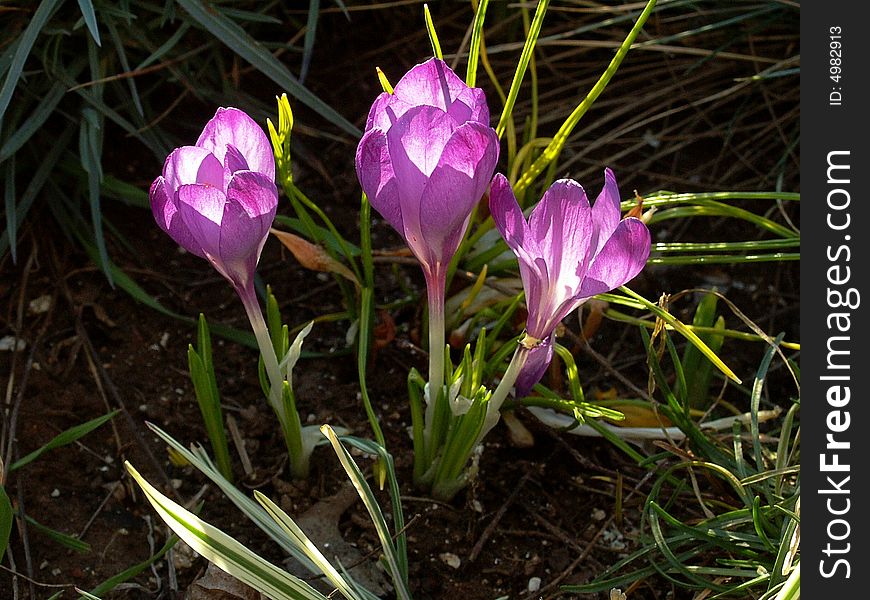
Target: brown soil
{"x":546,"y":511}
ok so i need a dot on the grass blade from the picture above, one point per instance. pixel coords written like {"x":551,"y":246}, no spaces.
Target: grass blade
{"x":225,"y":552}
{"x":127,"y":574}
{"x":555,"y":147}
{"x":303,"y":541}
{"x":310,"y":35}
{"x":62,"y":439}
{"x":33,"y":123}
{"x":374,"y":510}
{"x":525,"y":57}
{"x":252,"y":51}
{"x":474,"y":46}
{"x":25,"y":43}
{"x":87,"y":8}
{"x":11,"y":212}
{"x":6,"y":519}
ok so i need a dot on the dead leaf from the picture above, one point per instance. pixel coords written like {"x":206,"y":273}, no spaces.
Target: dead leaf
{"x":218,"y":585}
{"x":313,"y":257}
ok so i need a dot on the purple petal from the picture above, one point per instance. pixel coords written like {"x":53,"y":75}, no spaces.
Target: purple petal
{"x":534,"y":368}
{"x":509,"y":219}
{"x":456,"y":186}
{"x":621,"y":258}
{"x":470,"y":105}
{"x":561,"y":223}
{"x":256,"y":195}
{"x":417,"y":140}
{"x":232,"y":127}
{"x":377,"y":113}
{"x":241,"y":241}
{"x":234,"y":160}
{"x":202,"y":208}
{"x":605,"y":211}
{"x":169,"y":219}
{"x":431,"y":83}
{"x":375,"y":172}
{"x":191,"y":164}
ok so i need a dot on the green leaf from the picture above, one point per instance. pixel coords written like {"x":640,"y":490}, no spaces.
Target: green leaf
{"x":302,"y":540}
{"x":522,"y":65}
{"x":25,"y":42}
{"x":433,"y":35}
{"x":255,"y":53}
{"x":33,"y":122}
{"x":67,"y":437}
{"x":685,"y":332}
{"x":73,"y":543}
{"x":37,"y":181}
{"x":394,"y":561}
{"x":474,"y":46}
{"x":11,"y":212}
{"x":87,"y":8}
{"x":555,"y":147}
{"x":6,"y":518}
{"x":225,"y":552}
{"x":310,"y":35}
{"x":127,"y":574}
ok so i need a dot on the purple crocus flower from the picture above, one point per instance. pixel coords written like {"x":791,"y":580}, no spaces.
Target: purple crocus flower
{"x":425,"y":160}
{"x":568,"y":251}
{"x":217,"y":199}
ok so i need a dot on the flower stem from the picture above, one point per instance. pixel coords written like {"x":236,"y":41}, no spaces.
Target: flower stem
{"x":521,"y":354}
{"x":435,"y":282}
{"x":288,"y":417}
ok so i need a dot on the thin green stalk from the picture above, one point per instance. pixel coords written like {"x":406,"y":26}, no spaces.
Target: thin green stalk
{"x":474,"y":47}
{"x":504,"y":387}
{"x":525,"y":57}
{"x":552,"y":151}
{"x":280,"y":396}
{"x":366,"y":314}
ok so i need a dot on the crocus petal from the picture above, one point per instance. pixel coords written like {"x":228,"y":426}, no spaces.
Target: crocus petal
{"x":534,"y":368}
{"x":377,"y":116}
{"x":235,"y":160}
{"x":456,"y":186}
{"x":417,"y":140}
{"x":202,"y":208}
{"x":191,"y":164}
{"x":561,"y":223}
{"x":605,"y":211}
{"x":232,"y":127}
{"x":168,"y":218}
{"x":470,"y":105}
{"x":256,"y":194}
{"x":431,"y":83}
{"x":509,"y":219}
{"x":375,"y":171}
{"x":240,"y":244}
{"x":621,"y":258}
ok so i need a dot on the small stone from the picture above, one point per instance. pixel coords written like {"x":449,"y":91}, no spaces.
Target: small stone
{"x":40,"y":305}
{"x":450,"y":559}
{"x":55,"y":493}
{"x":534,"y":584}
{"x":9,"y":342}
{"x":176,"y":483}
{"x":55,"y":572}
{"x":43,"y":565}
{"x":598,"y":514}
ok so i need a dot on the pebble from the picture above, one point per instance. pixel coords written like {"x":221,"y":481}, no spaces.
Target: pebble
{"x":55,"y":493}
{"x":450,"y":559}
{"x":534,"y":584}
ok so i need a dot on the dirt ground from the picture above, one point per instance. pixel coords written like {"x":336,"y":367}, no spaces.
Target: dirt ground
{"x":537,"y":518}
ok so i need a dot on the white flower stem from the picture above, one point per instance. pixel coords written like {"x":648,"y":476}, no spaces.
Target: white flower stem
{"x":290,"y":424}
{"x":501,"y":392}
{"x":435,"y":282}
